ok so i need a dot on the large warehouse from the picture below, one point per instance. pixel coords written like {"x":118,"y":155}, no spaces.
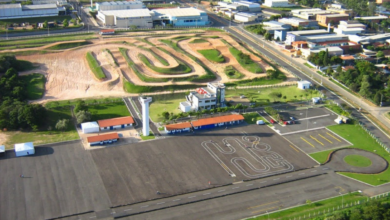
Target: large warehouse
{"x":181,"y":16}
{"x":126,"y":18}
{"x":10,"y":11}
{"x":119,"y":5}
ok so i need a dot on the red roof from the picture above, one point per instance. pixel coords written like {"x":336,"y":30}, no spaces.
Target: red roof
{"x":107,"y":30}
{"x":216,"y":120}
{"x":347,"y":57}
{"x":103,"y":137}
{"x":348,"y":68}
{"x":115,"y":121}
{"x":178,"y":126}
{"x":333,"y":42}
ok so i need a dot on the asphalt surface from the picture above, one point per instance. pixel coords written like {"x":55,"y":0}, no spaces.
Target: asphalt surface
{"x":133,"y":112}
{"x":152,"y":126}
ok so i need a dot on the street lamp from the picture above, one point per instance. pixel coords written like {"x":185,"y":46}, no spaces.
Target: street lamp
{"x":342,"y":200}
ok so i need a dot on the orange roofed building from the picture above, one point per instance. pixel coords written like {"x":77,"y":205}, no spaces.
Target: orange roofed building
{"x":116,"y":123}
{"x":225,"y":120}
{"x":180,"y":127}
{"x":103,"y":139}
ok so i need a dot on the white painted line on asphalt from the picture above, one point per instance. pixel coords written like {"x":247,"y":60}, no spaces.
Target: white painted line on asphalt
{"x":276,"y":178}
{"x":191,"y":197}
{"x":221,"y":190}
{"x":175,"y":200}
{"x":301,"y":173}
{"x":160,"y":203}
{"x":263,"y":182}
{"x":235,"y":187}
{"x":288,"y":176}
{"x":249,"y":185}
{"x":313,"y":171}
{"x":127,"y":210}
{"x":206,"y":194}
{"x":144,"y":206}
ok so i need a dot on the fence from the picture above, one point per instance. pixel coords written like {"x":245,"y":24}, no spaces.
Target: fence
{"x":375,"y":138}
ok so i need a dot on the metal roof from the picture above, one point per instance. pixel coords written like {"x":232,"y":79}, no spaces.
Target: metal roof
{"x":178,"y":126}
{"x":128,"y":13}
{"x":217,"y":120}
{"x":179,"y":12}
{"x":10,"y":6}
{"x":116,"y":121}
{"x":37,"y":7}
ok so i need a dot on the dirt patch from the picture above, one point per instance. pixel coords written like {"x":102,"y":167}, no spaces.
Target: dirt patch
{"x":3,"y":138}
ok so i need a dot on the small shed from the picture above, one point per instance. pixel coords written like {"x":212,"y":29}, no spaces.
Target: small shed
{"x":24,"y":149}
{"x":116,"y":123}
{"x":90,"y":127}
{"x":304,"y":84}
{"x":2,"y":149}
{"x":316,"y":100}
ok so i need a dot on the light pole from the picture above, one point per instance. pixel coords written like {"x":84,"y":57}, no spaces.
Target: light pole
{"x":342,"y":200}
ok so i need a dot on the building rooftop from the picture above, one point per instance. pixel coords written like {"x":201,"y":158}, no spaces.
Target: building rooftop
{"x":2,"y":148}
{"x":180,"y":12}
{"x":128,"y":13}
{"x":10,"y":5}
{"x":308,"y":32}
{"x":217,"y":120}
{"x":333,"y":42}
{"x":24,"y":146}
{"x":38,"y":7}
{"x":120,"y":3}
{"x":245,"y":14}
{"x":178,"y":126}
{"x":348,"y":57}
{"x":273,"y":23}
{"x":326,"y":36}
{"x":292,"y":19}
{"x":116,"y":121}
{"x":298,"y":42}
{"x":335,"y":15}
{"x":371,"y":17}
{"x":103,"y":137}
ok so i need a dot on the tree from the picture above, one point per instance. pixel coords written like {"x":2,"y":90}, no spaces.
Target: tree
{"x":365,"y":86}
{"x":83,"y":116}
{"x":339,"y":69}
{"x":62,"y":124}
{"x":285,"y":98}
{"x":380,"y":54}
{"x":65,"y":23}
{"x":267,"y":36}
{"x":377,"y":98}
{"x":80,"y":106}
{"x":329,"y":71}
{"x":275,"y":95}
{"x":301,"y":96}
{"x":165,"y":115}
{"x":45,"y":24}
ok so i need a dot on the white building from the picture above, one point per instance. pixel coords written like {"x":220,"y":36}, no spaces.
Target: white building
{"x":333,"y":51}
{"x":212,"y":96}
{"x":304,"y":84}
{"x":184,"y":17}
{"x":2,"y":149}
{"x":11,"y":11}
{"x":126,"y":18}
{"x":299,"y":22}
{"x":350,"y":28}
{"x":272,"y":26}
{"x":90,"y":127}
{"x":245,"y":17}
{"x":293,"y":36}
{"x":115,"y":123}
{"x":119,"y":5}
{"x":277,"y":3}
{"x":308,"y":14}
{"x":24,"y":149}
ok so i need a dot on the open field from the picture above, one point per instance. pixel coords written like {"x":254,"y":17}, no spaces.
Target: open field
{"x":213,"y":55}
{"x":108,"y":110}
{"x":357,"y":161}
{"x":35,"y":85}
{"x":247,"y":63}
{"x":68,"y":45}
{"x":252,"y":118}
{"x":165,"y":103}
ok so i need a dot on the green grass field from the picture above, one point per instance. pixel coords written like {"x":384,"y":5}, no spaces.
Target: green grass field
{"x":261,"y":95}
{"x":252,"y":118}
{"x":165,"y":103}
{"x":213,"y":55}
{"x":304,"y":210}
{"x":94,"y":66}
{"x":362,"y":140}
{"x":308,"y":65}
{"x":322,"y":156}
{"x":249,"y":65}
{"x":232,"y":73}
{"x":158,"y":57}
{"x":180,"y":69}
{"x":35,"y":85}
{"x":64,"y":46}
{"x":49,"y":134}
{"x":197,"y":41}
{"x":108,"y":110}
{"x":35,"y":20}
{"x":150,"y":137}
{"x":46,"y":40}
{"x":357,"y":161}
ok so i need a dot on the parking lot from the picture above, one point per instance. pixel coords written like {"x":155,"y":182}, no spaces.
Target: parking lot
{"x":317,"y":140}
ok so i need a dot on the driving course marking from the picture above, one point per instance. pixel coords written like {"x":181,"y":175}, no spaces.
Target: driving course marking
{"x":325,"y":138}
{"x":316,"y":140}
{"x":307,"y":142}
{"x":333,"y":136}
{"x":294,"y":148}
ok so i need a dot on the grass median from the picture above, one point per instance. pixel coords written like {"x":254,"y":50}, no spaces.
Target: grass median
{"x":179,"y":69}
{"x":95,"y":67}
{"x":64,"y":46}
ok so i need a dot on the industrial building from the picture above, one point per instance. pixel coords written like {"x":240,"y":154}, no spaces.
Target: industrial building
{"x":381,"y":38}
{"x":212,"y":96}
{"x":245,"y":17}
{"x":241,"y":6}
{"x":332,"y":51}
{"x":180,"y":17}
{"x":272,"y":26}
{"x":220,"y":121}
{"x":11,"y":11}
{"x":372,"y":18}
{"x":119,"y":5}
{"x":126,"y":18}
{"x":350,"y":27}
{"x":103,"y":139}
{"x":178,"y":128}
{"x":308,"y":14}
{"x":277,"y":3}
{"x":299,"y":35}
{"x":340,"y":9}
{"x":24,"y":149}
{"x":115,"y":123}
{"x":281,"y":35}
{"x":325,"y":19}
{"x":299,"y":22}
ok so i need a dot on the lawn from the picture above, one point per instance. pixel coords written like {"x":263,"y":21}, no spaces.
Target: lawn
{"x":48,"y":134}
{"x":94,"y":66}
{"x":108,"y":110}
{"x":158,"y":57}
{"x":232,"y":73}
{"x":180,"y":69}
{"x":196,"y":41}
{"x":252,"y":118}
{"x":212,"y":55}
{"x":35,"y":20}
{"x":35,"y":85}
{"x":261,"y":95}
{"x":357,"y":161}
{"x":312,"y":207}
{"x":362,"y":140}
{"x":308,"y":65}
{"x":64,"y":46}
{"x":24,"y":65}
{"x":150,"y":137}
{"x":322,"y":156}
{"x":41,"y":40}
{"x":165,"y":103}
{"x":245,"y":61}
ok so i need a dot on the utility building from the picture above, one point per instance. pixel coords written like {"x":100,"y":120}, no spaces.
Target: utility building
{"x":180,"y":17}
{"x":212,"y":96}
{"x":220,"y":121}
{"x":24,"y":149}
{"x":116,"y":123}
{"x":126,"y":18}
{"x":178,"y":128}
{"x":119,"y":5}
{"x":11,"y":11}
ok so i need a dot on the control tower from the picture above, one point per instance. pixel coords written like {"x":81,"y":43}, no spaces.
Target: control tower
{"x":145,"y":114}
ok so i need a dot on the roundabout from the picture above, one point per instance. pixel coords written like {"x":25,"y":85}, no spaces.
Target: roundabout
{"x":356,"y":161}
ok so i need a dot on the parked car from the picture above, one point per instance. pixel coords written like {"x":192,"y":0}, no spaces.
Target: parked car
{"x":272,"y":121}
{"x":292,"y":118}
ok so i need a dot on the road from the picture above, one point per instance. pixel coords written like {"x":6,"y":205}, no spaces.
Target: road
{"x":257,"y":43}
